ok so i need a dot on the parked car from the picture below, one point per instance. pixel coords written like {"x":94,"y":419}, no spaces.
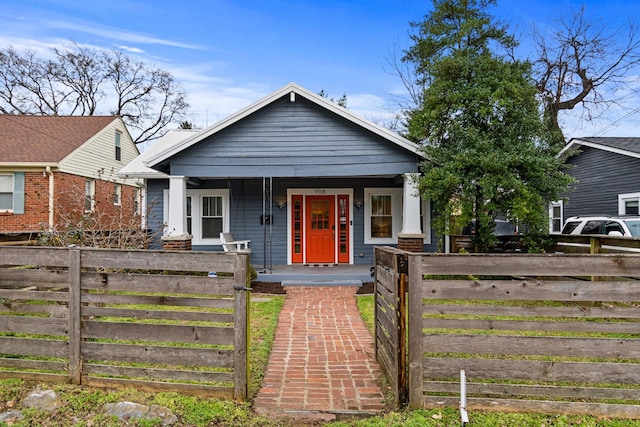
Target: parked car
{"x":606,"y":225}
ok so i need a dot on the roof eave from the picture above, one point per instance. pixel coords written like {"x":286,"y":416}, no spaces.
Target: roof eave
{"x":576,"y":143}
{"x":142,"y":174}
{"x":28,"y":165}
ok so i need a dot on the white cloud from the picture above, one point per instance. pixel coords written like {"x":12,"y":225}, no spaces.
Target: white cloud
{"x":129,"y":49}
{"x":372,"y":107}
{"x":40,"y":47}
{"x":117,"y":34}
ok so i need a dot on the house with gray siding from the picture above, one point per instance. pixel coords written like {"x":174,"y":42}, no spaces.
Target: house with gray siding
{"x":607,"y":173}
{"x":305,"y":180}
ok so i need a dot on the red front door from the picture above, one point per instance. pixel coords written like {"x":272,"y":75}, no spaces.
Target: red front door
{"x":320,"y":229}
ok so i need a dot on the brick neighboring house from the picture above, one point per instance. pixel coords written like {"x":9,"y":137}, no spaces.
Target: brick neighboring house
{"x":56,"y":169}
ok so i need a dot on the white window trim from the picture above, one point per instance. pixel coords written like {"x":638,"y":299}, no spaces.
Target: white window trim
{"x":426,"y":221}
{"x":396,"y":214}
{"x":622,"y":198}
{"x":551,"y":206}
{"x":118,"y":146}
{"x":117,"y":197}
{"x":13,"y":190}
{"x":92,"y":194}
{"x":196,"y":213}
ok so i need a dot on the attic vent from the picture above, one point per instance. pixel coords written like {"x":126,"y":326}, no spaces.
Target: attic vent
{"x":292,"y":97}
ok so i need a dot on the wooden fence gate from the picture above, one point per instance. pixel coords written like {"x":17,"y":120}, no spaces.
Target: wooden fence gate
{"x":153,"y":320}
{"x":550,"y":333}
{"x":390,"y":319}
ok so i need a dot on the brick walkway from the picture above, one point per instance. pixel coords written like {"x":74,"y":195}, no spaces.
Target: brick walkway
{"x":322,"y":363}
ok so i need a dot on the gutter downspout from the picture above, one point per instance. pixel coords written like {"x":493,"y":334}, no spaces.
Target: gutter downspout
{"x":51,"y":198}
{"x":143,"y":203}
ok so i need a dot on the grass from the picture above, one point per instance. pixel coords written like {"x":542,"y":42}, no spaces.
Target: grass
{"x":83,"y":407}
{"x":365,"y":307}
{"x":264,"y":319}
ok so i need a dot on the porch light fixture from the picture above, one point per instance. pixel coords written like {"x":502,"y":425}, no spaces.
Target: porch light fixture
{"x":282,"y":205}
{"x":357,"y":204}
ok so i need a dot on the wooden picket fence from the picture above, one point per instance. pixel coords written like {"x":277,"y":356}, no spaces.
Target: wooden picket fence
{"x":550,"y":333}
{"x":151,"y":320}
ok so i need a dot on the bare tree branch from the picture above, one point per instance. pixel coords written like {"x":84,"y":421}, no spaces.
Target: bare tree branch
{"x":402,"y":69}
{"x":29,"y":85}
{"x":582,"y":64}
{"x":83,"y":81}
{"x":81,"y":71}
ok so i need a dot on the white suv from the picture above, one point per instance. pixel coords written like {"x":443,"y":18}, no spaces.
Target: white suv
{"x":611,"y":226}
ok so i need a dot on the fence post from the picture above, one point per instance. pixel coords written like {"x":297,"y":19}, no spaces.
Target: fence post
{"x":401,"y":313}
{"x":414,"y":326}
{"x":241,"y":328}
{"x":595,"y":244}
{"x":75,"y":358}
{"x":376,"y":327}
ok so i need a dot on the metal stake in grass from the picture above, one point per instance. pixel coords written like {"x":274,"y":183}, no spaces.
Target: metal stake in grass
{"x":464,"y":417}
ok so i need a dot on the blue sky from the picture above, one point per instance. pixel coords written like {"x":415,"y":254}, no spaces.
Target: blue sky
{"x":230,"y":53}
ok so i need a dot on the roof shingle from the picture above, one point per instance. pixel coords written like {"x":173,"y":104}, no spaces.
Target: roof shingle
{"x":631,"y":144}
{"x":45,"y":139}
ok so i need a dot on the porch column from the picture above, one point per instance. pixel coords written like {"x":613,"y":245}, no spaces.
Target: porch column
{"x":410,"y":237}
{"x":177,"y":237}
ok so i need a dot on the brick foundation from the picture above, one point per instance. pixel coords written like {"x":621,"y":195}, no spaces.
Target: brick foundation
{"x":411,"y":243}
{"x":176,"y":243}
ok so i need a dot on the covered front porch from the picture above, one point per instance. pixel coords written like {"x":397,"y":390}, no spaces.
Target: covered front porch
{"x":302,"y":221}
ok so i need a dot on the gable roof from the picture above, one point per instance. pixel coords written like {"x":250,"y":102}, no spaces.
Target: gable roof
{"x":45,"y":139}
{"x":292,"y":90}
{"x":138,"y":167}
{"x":626,"y":146}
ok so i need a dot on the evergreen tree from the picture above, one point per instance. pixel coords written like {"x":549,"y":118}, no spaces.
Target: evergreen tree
{"x":480,"y":122}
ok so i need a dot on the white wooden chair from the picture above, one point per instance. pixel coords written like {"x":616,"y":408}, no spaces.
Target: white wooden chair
{"x":231,"y":245}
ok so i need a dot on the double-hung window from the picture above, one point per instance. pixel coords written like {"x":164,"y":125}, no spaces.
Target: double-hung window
{"x":207,"y":214}
{"x":212,"y":217}
{"x":12,"y":192}
{"x":6,"y":192}
{"x":117,"y":194}
{"x":555,"y":217}
{"x":628,"y":204}
{"x":118,"y":145}
{"x":89,"y":194}
{"x":383,"y":215}
{"x":189,"y":216}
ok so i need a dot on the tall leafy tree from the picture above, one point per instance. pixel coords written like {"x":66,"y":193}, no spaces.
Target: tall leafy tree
{"x":480,"y":123}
